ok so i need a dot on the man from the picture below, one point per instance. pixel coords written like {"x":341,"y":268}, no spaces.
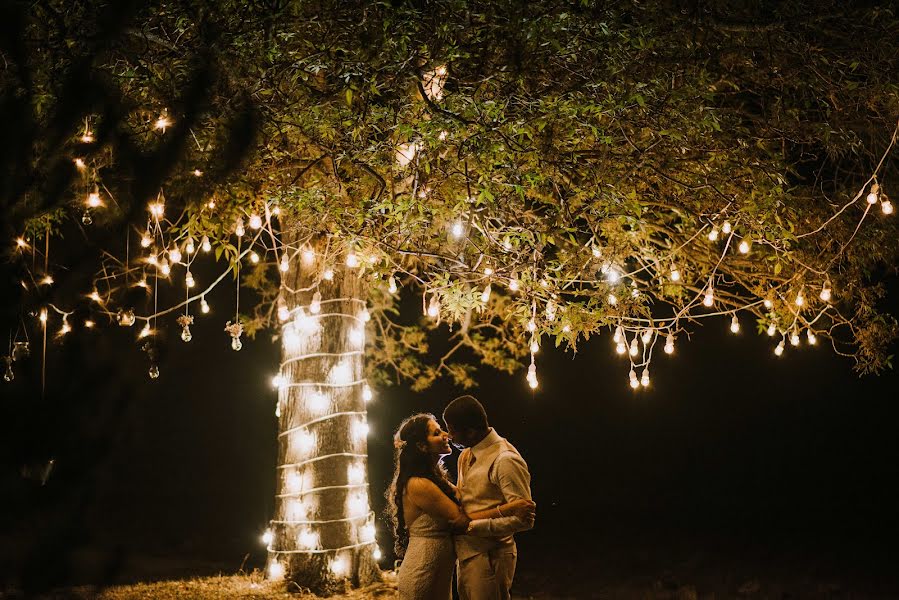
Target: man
{"x":491,"y":473}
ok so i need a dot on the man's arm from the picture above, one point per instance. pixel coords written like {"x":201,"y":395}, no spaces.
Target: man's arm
{"x":510,"y":473}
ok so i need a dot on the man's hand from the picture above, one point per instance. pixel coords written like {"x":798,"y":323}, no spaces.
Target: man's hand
{"x":526,"y":510}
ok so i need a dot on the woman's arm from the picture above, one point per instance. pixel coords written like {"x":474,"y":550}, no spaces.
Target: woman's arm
{"x":521,"y":508}
{"x":425,"y":494}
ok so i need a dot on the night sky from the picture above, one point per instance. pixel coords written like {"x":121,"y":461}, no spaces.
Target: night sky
{"x":732,"y":457}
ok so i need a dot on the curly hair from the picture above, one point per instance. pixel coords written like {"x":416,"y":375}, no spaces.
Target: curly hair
{"x":411,"y":461}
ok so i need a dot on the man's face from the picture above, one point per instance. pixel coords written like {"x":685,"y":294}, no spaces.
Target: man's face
{"x":461,"y":437}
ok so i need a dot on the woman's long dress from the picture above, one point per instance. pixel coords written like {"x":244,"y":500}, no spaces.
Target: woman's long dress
{"x":427,"y":569}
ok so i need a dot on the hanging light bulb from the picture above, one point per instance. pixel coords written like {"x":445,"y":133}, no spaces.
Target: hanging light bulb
{"x":255,"y":221}
{"x":532,"y":376}
{"x":239,"y":228}
{"x":513,"y":284}
{"x":93,"y":199}
{"x":145,"y":331}
{"x":488,"y":270}
{"x":315,"y":306}
{"x":886,"y":206}
{"x":826,"y":292}
{"x":308,"y":256}
{"x":535,"y":346}
{"x":485,"y":295}
{"x":285,"y":263}
{"x":367,"y":394}
{"x":632,"y":377}
{"x":186,"y":335}
{"x":646,"y":336}
{"x":204,"y":306}
{"x":812,"y":338}
{"x":709,"y":298}
{"x":164,"y":267}
{"x":283,"y":312}
{"x":532,"y":325}
{"x":743,"y":247}
{"x":726,"y":228}
{"x":779,"y":349}
{"x":205,"y":244}
{"x":613,"y":300}
{"x":189,"y":280}
{"x":175,"y":255}
{"x":735,"y":324}
{"x":79,"y":164}
{"x":162,"y":122}
{"x":644,"y":377}
{"x":189,"y":247}
{"x":352,"y":261}
{"x":125,"y":318}
{"x":236,"y":344}
{"x":328,"y":274}
{"x":619,"y":334}
{"x":772,"y":329}
{"x":154,"y":371}
{"x":254,"y":258}
{"x":675,"y":274}
{"x":597,"y":251}
{"x":391,"y":285}
{"x":613,"y":276}
{"x":620,"y":347}
{"x":873,"y":194}
{"x":434,"y":307}
{"x":157,"y":209}
{"x":95,"y":296}
{"x":66,"y":328}
{"x":794,"y":338}
{"x":146,"y":240}
{"x":669,"y":344}
{"x":768,"y":303}
{"x":268,"y":537}
{"x":713,"y":234}
{"x":635,"y":349}
{"x":365,"y":315}
{"x":799,"y":299}
{"x":550,"y":311}
{"x":458,"y":229}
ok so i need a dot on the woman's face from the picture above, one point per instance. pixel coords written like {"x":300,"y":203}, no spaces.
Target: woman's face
{"x":437,"y":441}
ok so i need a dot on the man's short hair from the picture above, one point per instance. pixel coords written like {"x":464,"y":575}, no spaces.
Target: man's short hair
{"x":465,"y":412}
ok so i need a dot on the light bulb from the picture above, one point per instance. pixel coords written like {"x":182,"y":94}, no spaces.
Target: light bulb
{"x":619,"y":333}
{"x":794,"y":338}
{"x":175,"y":255}
{"x":43,"y":315}
{"x":550,"y":311}
{"x":768,"y":303}
{"x":236,"y":344}
{"x":355,"y":474}
{"x":89,"y":324}
{"x":162,"y":122}
{"x":283,"y":311}
{"x":532,"y":325}
{"x":434,"y":307}
{"x":743,"y":247}
{"x":308,"y":256}
{"x":709,"y":298}
{"x":157,"y":209}
{"x":153,"y":372}
{"x":189,"y":247}
{"x":151,"y":260}
{"x":204,"y":306}
{"x":566,"y":328}
{"x":597,"y":251}
{"x":285,"y":263}
{"x":535,"y":347}
{"x":365,"y":315}
{"x":189,"y":280}
{"x":644,"y":377}
{"x":669,"y":344}
{"x":713,"y":234}
{"x":735,"y":324}
{"x":613,"y":276}
{"x":826,"y":293}
{"x":675,"y":274}
{"x":21,"y":243}
{"x":391,"y":285}
{"x":887,"y":207}
{"x":620,"y":347}
{"x":328,"y":274}
{"x":646,"y":336}
{"x":318,"y":402}
{"x":634,"y":382}
{"x":488,"y":270}
{"x":779,"y":349}
{"x":872,"y":195}
{"x":239,"y":228}
{"x":308,"y":539}
{"x":357,"y":336}
{"x":799,"y":299}
{"x":613,"y":300}
{"x":95,"y":296}
{"x":93,"y":199}
{"x":66,"y":328}
{"x":772,"y":329}
{"x":254,"y":258}
{"x":275,"y":571}
{"x":186,"y":335}
{"x":255,"y":221}
{"x":458,"y":229}
{"x":352,"y":261}
{"x":635,"y":349}
{"x":361,"y":430}
{"x":485,"y":295}
{"x":812,"y":338}
{"x":204,"y":243}
{"x":513,"y":285}
{"x":164,"y":267}
{"x":367,"y":532}
{"x":367,"y":394}
{"x":315,"y":306}
{"x":197,"y":173}
{"x":79,"y":164}
{"x":145,"y":331}
{"x":267,"y":537}
{"x":376,"y":553}
{"x":726,"y":228}
{"x":277,"y":381}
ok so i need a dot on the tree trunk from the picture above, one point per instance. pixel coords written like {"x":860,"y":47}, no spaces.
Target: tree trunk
{"x":323,"y":531}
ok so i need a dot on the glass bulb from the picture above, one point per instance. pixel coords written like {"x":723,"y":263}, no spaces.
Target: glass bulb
{"x":675,"y":274}
{"x":735,"y":324}
{"x":205,"y":244}
{"x":186,"y":335}
{"x":391,"y":285}
{"x":485,"y":295}
{"x":255,"y":222}
{"x":315,"y":306}
{"x":669,"y":344}
{"x":713,"y":234}
{"x":352,"y":261}
{"x":153,"y":372}
{"x":726,"y":228}
{"x":204,"y":306}
{"x":236,"y":344}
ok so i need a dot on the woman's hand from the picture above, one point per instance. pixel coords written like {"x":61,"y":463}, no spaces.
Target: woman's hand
{"x":460,"y":523}
{"x":525,"y":510}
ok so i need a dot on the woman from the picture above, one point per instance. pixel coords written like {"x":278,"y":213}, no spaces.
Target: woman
{"x":424,"y":508}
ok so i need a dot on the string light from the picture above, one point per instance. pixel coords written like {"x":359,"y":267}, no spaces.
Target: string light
{"x":239,"y":229}
{"x":799,"y":299}
{"x":275,"y":571}
{"x":328,"y":274}
{"x":635,"y":349}
{"x":768,"y":303}
{"x":47,"y":280}
{"x":42,"y":316}
{"x":268,"y":537}
{"x":619,"y":334}
{"x":779,"y":349}
{"x":669,"y":344}
{"x":613,"y":276}
{"x":255,"y":221}
{"x":743,"y":247}
{"x":485,"y":295}
{"x":675,"y":274}
{"x":886,"y":206}
{"x":391,"y":285}
{"x":597,"y":251}
{"x":794,"y":338}
{"x":646,"y":336}
{"x":285,"y":264}
{"x":644,"y":377}
{"x":163,"y":122}
{"x":254,"y":258}
{"x":283,"y":312}
{"x":21,"y":243}
{"x":308,"y":256}
{"x":79,"y":164}
{"x":315,"y":306}
{"x":772,"y":329}
{"x":535,"y":346}
{"x":735,"y":324}
{"x":620,"y":347}
{"x":726,"y":228}
{"x":365,"y":315}
{"x":812,"y":338}
{"x":434,"y":307}
{"x":709,"y":299}
{"x":532,"y":375}
{"x":189,"y":247}
{"x":175,"y":255}
{"x":89,"y":324}
{"x":872,"y":195}
{"x":632,"y":377}
{"x":95,"y":296}
{"x":189,"y":280}
{"x":352,"y":261}
{"x":164,"y":267}
{"x":825,"y":292}
{"x":367,"y":394}
{"x":66,"y":328}
{"x":713,"y":234}
{"x":197,"y":173}
{"x":146,"y":331}
{"x":513,"y":285}
{"x":204,"y":306}
{"x":205,"y":244}
{"x":550,"y":310}
{"x":157,"y":209}
{"x":458,"y":229}
{"x":93,"y":199}
{"x":613,"y":300}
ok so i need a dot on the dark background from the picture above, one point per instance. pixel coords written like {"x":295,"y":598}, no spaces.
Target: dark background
{"x":734,"y":465}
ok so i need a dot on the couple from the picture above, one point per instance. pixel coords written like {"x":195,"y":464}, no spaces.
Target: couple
{"x":435,"y":523}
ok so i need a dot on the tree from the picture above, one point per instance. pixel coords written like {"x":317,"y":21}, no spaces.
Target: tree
{"x":538,"y":172}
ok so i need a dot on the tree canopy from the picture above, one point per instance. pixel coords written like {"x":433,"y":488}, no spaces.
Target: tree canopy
{"x":538,"y":172}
